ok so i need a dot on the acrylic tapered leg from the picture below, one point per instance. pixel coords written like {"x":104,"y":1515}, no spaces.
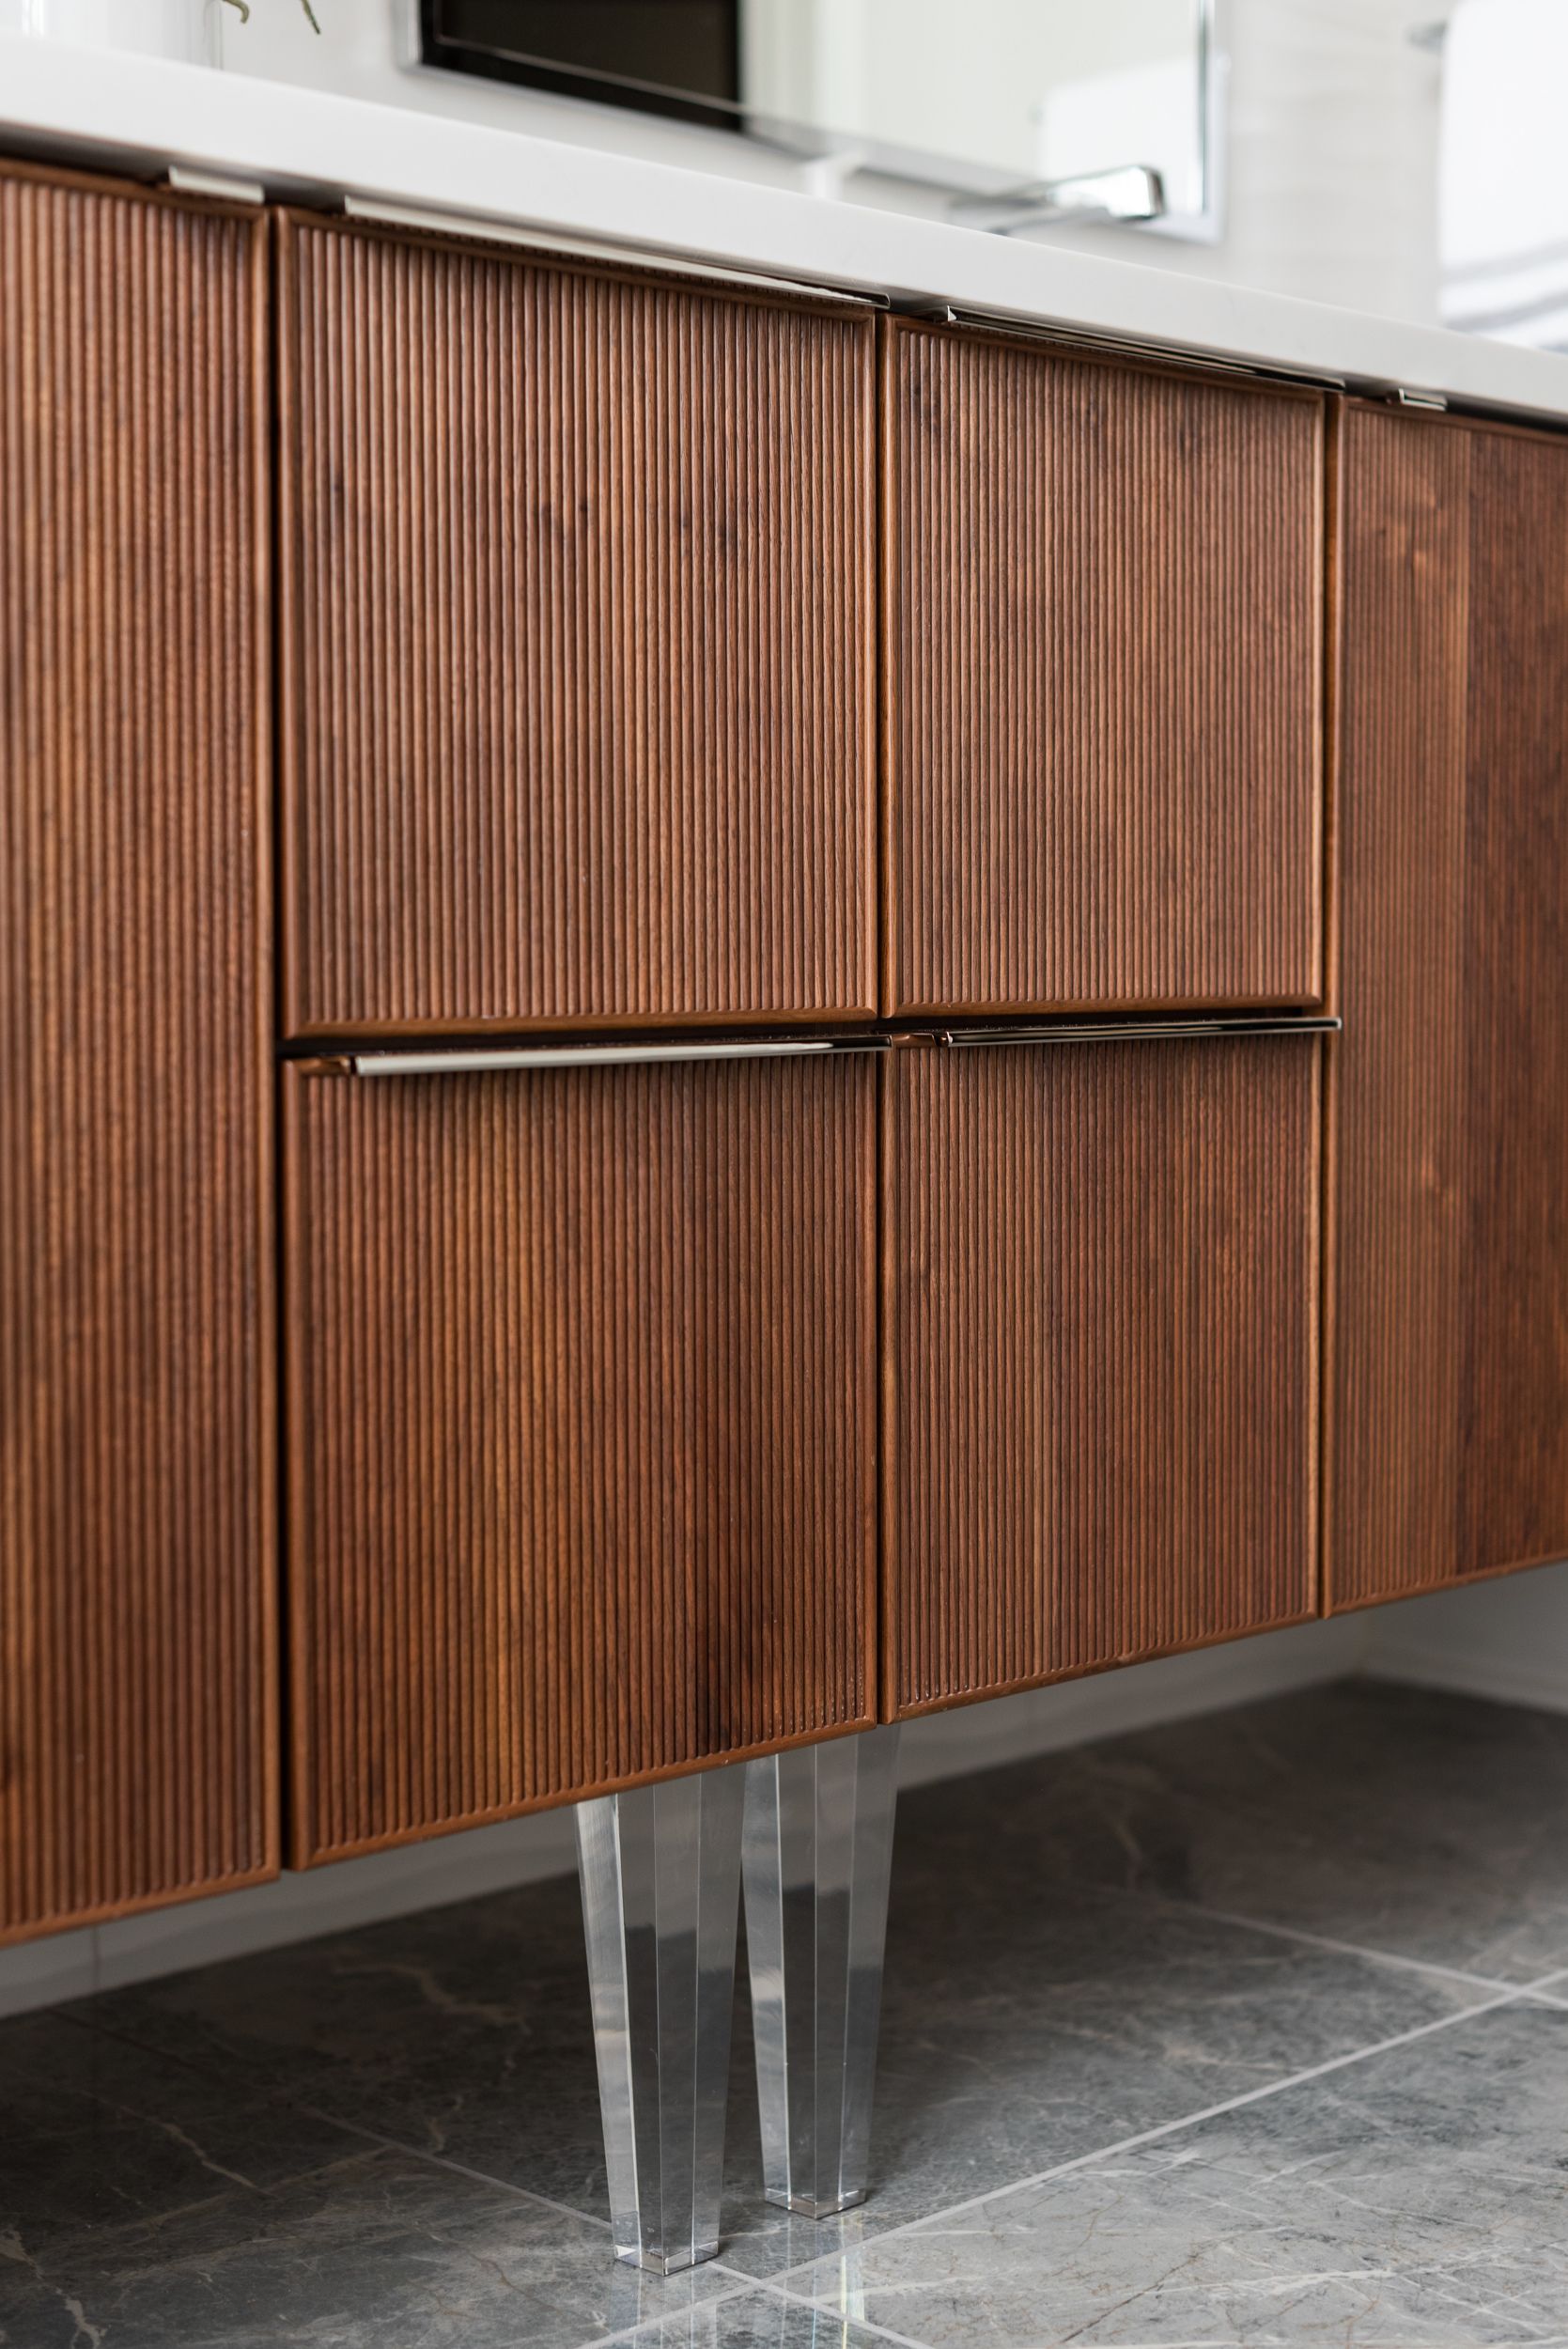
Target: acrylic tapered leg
{"x":819,"y":1847}
{"x":660,"y":1894}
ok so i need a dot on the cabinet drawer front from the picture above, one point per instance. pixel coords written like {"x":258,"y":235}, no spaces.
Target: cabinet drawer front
{"x":137,"y":1696}
{"x":1104,"y":633}
{"x":579,"y":579}
{"x":1103,"y":1332}
{"x":582,"y":1411}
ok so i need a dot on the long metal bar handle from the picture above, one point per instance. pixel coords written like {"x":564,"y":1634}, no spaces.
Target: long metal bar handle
{"x":1139,"y":1032}
{"x":483,"y":1060}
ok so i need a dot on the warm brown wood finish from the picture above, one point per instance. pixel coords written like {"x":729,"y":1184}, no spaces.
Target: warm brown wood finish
{"x":1103,"y":1347}
{"x":136,"y":1606}
{"x":583,"y":1415}
{"x":578,"y":579}
{"x":1448,"y":1418}
{"x":1103,"y":640}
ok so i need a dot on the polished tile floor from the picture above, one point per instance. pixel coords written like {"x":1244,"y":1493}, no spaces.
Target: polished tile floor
{"x":1251,"y":2031}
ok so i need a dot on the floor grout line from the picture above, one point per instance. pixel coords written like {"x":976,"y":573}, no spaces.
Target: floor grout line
{"x":647,"y":2323}
{"x":458,"y":2168}
{"x":1347,"y":1949}
{"x":1187,"y":2121}
{"x":823,"y":2308}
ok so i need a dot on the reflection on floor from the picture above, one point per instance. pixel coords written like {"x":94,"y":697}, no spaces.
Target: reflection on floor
{"x":1250,"y":2031}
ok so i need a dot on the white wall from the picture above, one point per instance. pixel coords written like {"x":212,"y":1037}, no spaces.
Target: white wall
{"x":1505,"y":202}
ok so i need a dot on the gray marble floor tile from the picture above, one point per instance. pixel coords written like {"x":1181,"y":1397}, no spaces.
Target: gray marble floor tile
{"x":1027,"y":2019}
{"x":1025,"y":2026}
{"x":1418,"y":2199}
{"x":380,"y":2252}
{"x":463,"y":2030}
{"x":1399,"y":1819}
{"x":99,"y":2132}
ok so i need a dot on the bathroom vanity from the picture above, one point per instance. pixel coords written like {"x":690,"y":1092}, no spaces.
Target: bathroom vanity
{"x":732,"y":1008}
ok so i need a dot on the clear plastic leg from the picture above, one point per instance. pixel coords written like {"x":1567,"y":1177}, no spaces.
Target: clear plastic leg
{"x":817,"y":1853}
{"x":660,"y":1895}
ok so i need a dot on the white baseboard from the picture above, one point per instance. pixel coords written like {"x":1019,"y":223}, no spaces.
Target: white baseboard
{"x":1506,"y":1639}
{"x":297,"y":1907}
{"x":486,"y":1860}
{"x":1112,"y":1704}
{"x":1504,"y":1683}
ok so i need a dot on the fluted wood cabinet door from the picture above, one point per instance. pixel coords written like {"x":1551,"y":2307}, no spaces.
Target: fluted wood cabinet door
{"x":136,"y":1373}
{"x":581,"y":1449}
{"x":579,"y":577}
{"x":1103,"y":1353}
{"x":1103,"y":634}
{"x":1448,"y":1428}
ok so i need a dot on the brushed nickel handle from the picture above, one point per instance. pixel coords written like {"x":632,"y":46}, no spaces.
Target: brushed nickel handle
{"x":499,"y":1060}
{"x":1139,"y":1032}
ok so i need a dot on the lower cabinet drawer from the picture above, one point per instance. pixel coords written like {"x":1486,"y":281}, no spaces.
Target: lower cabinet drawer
{"x":1103,"y":1329}
{"x":583,"y":1425}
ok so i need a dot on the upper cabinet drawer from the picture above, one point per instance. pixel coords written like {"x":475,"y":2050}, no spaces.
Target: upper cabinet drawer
{"x":1104,"y":634}
{"x":579,"y":624}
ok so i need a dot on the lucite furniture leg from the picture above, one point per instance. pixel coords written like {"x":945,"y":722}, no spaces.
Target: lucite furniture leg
{"x":819,"y":1847}
{"x":659,"y":1870}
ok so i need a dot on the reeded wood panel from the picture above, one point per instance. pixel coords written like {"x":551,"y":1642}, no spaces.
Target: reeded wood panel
{"x":136,"y":1639}
{"x":580,"y":585}
{"x":1104,"y":644}
{"x":1104,"y":1345}
{"x":583,"y":1387}
{"x":1448,"y":1421}
{"x":1397,"y":1080}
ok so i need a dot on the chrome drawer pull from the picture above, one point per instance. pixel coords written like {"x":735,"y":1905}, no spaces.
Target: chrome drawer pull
{"x":479,"y":1061}
{"x":1139,"y":1032}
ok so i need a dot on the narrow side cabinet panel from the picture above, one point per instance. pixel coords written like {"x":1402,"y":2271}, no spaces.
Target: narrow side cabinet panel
{"x":580,"y":589}
{"x":1448,"y":1429}
{"x":583,"y":1386}
{"x":136,"y":1601}
{"x":1104,"y":644}
{"x":1104,"y":1342}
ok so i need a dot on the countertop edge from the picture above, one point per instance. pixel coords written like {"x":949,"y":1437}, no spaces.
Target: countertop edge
{"x":142,"y":116}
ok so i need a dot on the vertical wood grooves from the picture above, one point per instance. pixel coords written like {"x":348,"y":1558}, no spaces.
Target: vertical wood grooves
{"x":1103,"y":640}
{"x":1398,"y":1074}
{"x":1104,"y":1345}
{"x":578,"y":579}
{"x":582,"y":1431}
{"x":136,"y":1735}
{"x":1450,"y":1385}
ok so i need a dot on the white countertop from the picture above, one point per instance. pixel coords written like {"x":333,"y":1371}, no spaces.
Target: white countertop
{"x":142,"y":116}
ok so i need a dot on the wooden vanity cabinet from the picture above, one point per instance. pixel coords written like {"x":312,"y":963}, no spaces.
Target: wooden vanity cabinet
{"x":582,"y":1434}
{"x":1103,"y":642}
{"x":645,"y":1416}
{"x":1102,"y":1327}
{"x":137,"y":1463}
{"x":1448,"y":1428}
{"x":579,"y":582}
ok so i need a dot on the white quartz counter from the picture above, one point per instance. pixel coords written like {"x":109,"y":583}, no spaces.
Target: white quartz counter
{"x":142,"y":116}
